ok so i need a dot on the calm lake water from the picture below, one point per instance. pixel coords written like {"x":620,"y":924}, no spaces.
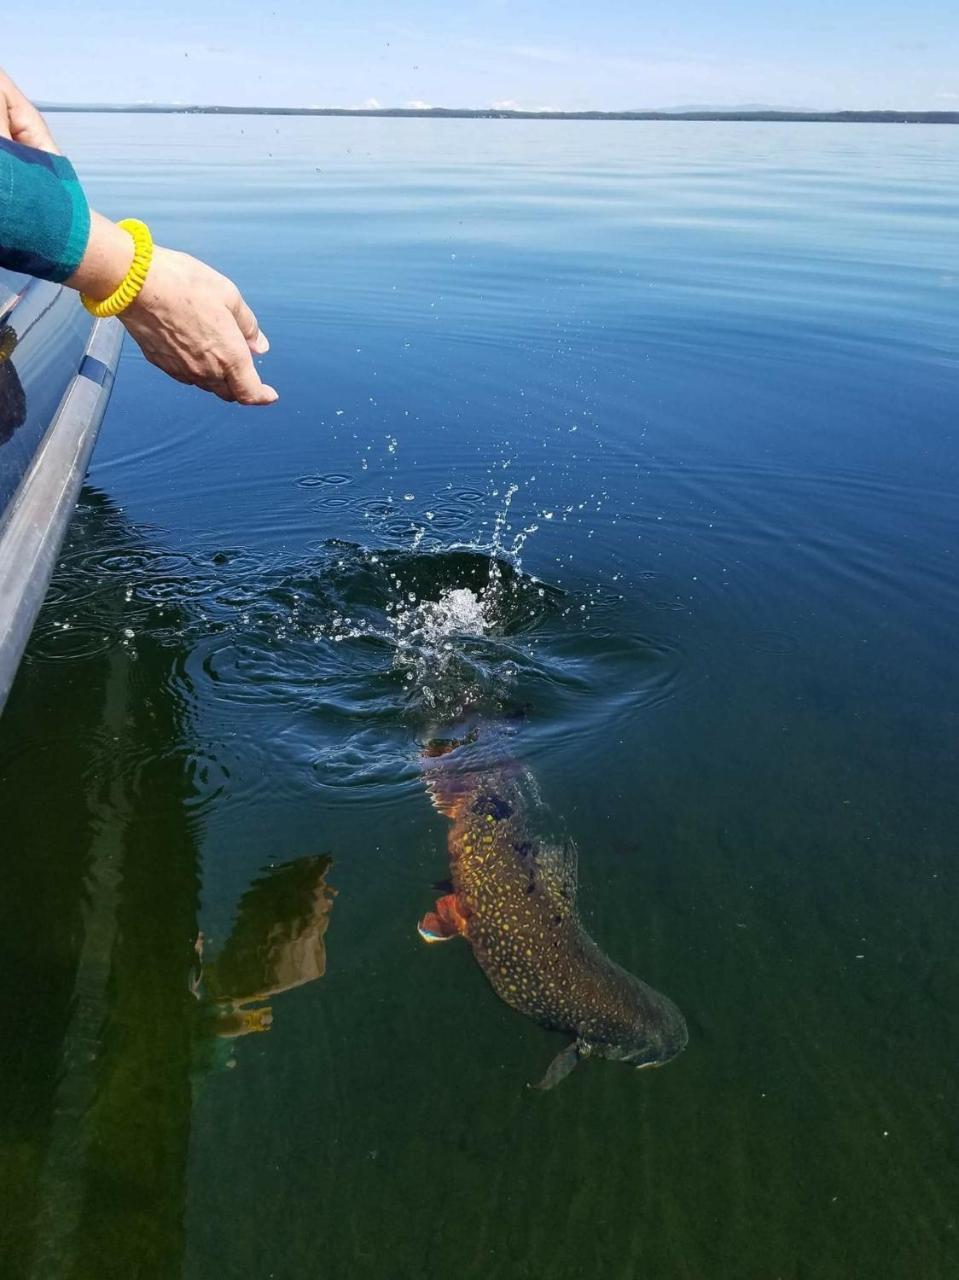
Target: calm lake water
{"x":695,"y":386}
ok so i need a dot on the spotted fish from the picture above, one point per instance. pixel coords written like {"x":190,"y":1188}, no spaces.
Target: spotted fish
{"x":512,"y":895}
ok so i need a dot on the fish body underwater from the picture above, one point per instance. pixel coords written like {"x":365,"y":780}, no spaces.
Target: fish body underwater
{"x":512,"y":895}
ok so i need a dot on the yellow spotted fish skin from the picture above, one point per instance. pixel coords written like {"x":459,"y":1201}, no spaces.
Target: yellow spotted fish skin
{"x":514,"y":880}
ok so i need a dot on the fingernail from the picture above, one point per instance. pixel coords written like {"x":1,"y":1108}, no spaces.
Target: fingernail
{"x":273,"y":395}
{"x":261,"y":344}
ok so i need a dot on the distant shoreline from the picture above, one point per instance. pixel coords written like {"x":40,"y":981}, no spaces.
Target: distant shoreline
{"x":455,"y":113}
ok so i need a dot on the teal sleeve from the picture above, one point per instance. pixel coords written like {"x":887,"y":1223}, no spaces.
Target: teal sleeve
{"x":44,"y":215}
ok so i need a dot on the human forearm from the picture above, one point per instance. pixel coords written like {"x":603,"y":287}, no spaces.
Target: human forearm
{"x":106,"y":260}
{"x":188,"y":320}
{"x":44,"y":217}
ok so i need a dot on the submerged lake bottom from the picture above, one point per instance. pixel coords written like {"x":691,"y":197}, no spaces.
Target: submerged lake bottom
{"x":633,"y":445}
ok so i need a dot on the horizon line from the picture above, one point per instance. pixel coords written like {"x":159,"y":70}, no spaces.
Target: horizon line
{"x":772,"y":114}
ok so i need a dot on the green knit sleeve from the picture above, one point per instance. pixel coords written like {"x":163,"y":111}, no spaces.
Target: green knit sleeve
{"x":44,"y":215}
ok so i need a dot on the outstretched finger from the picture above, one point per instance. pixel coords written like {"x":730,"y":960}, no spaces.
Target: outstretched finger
{"x":219,"y":388}
{"x":246,"y":320}
{"x":244,"y":382}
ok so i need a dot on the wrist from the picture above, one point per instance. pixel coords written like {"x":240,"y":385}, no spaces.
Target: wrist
{"x":107,"y":259}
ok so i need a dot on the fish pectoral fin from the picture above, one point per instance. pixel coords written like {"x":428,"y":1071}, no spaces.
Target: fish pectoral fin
{"x":447,"y":785}
{"x":560,"y":1067}
{"x":445,"y":922}
{"x":448,"y":796}
{"x":432,"y":929}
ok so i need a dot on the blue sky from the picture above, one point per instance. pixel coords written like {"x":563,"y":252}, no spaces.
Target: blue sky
{"x":610,"y":54}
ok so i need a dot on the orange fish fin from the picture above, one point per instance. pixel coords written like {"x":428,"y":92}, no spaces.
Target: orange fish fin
{"x":449,"y":791}
{"x":448,"y":805}
{"x":447,"y":921}
{"x":446,"y":783}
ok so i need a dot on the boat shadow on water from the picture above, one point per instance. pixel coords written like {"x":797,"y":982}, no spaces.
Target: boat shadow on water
{"x":122,"y":1008}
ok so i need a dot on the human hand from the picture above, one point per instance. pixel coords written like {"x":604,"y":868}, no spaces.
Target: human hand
{"x":192,"y":323}
{"x":20,"y":121}
{"x":188,"y":320}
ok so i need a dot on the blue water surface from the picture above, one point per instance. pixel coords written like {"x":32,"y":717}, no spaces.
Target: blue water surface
{"x":694,"y":385}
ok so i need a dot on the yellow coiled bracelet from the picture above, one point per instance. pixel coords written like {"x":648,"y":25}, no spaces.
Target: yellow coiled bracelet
{"x":132,"y":282}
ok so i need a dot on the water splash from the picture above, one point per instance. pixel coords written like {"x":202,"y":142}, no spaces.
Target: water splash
{"x":512,"y":550}
{"x":453,"y":624}
{"x":449,"y":614}
{"x":430,"y":637}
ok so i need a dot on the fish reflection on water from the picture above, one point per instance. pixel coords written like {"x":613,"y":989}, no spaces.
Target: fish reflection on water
{"x":512,"y":895}
{"x":277,"y":943}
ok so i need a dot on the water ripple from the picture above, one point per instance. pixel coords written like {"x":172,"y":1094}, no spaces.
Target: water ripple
{"x":360,"y":650}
